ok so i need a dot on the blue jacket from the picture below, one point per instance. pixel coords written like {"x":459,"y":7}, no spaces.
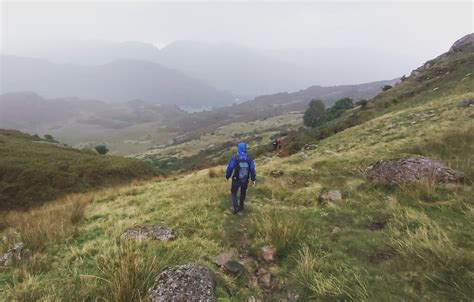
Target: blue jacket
{"x":241,"y":156}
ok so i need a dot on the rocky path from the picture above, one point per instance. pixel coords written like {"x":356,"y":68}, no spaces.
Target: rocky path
{"x":240,"y":260}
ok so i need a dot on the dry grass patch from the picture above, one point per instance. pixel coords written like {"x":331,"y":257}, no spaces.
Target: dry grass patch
{"x":51,"y":221}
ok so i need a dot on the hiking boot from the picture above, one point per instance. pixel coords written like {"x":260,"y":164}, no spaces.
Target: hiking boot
{"x":235,"y":211}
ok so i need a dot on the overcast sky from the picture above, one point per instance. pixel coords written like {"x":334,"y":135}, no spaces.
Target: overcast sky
{"x":424,"y":29}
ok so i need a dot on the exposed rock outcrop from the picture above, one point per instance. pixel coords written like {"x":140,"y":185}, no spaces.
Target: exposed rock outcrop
{"x":411,"y":170}
{"x":188,"y":282}
{"x":466,"y":40}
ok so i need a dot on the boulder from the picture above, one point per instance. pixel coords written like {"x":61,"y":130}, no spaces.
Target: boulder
{"x":268,"y":253}
{"x":411,"y":170}
{"x":226,"y":256}
{"x":188,"y":282}
{"x":330,"y":196}
{"x":15,"y":254}
{"x":149,"y":232}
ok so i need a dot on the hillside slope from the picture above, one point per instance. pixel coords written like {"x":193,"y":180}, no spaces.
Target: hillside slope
{"x":34,"y":170}
{"x":378,"y":243}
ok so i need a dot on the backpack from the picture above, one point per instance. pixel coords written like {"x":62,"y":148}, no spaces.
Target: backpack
{"x":242,"y":170}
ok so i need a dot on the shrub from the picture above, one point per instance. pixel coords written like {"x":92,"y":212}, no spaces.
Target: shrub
{"x":101,"y":149}
{"x":386,"y":87}
{"x":362,"y":103}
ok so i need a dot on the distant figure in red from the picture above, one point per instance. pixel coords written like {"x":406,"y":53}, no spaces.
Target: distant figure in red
{"x":279,"y":143}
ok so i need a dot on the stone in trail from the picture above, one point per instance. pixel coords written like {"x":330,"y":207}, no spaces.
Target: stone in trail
{"x":233,"y":268}
{"x":226,"y":256}
{"x":268,"y":253}
{"x":188,"y":282}
{"x":330,"y":196}
{"x":149,"y":232}
{"x":411,"y":170}
{"x":15,"y":254}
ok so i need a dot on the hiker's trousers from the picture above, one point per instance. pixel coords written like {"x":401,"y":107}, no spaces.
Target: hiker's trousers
{"x":237,"y":203}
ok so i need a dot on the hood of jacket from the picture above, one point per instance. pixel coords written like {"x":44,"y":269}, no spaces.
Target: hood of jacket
{"x":242,"y":151}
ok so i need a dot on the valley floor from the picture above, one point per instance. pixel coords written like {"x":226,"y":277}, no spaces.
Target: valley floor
{"x":379,"y":243}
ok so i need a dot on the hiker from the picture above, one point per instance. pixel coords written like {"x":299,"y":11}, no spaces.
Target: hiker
{"x":279,"y":142}
{"x":241,"y":168}
{"x":275,"y":144}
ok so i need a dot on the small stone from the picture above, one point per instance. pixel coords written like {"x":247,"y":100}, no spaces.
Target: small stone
{"x":336,"y":230}
{"x":228,"y":255}
{"x":330,"y":196}
{"x":266,"y":280}
{"x":268,"y":253}
{"x":233,"y":268}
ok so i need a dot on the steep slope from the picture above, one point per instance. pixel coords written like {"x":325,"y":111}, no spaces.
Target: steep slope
{"x":378,"y":243}
{"x":120,"y":80}
{"x":34,"y":170}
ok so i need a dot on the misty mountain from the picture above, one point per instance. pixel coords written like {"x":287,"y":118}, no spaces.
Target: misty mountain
{"x":119,"y":80}
{"x":235,"y":68}
{"x":240,"y":70}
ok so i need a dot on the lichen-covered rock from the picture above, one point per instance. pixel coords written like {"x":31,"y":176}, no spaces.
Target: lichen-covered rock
{"x":15,"y":254}
{"x":411,"y":170}
{"x":149,"y":232}
{"x":188,"y":282}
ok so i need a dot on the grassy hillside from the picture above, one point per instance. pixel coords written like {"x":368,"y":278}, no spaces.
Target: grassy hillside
{"x":34,"y":170}
{"x":446,"y":75}
{"x":379,"y":243}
